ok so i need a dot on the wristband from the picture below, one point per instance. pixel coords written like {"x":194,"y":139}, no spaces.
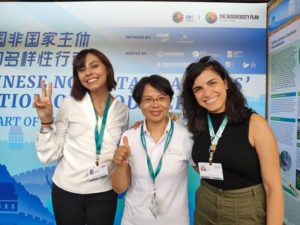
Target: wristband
{"x":47,"y":123}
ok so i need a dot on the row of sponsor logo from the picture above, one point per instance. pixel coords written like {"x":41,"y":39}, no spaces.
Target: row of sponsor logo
{"x":195,"y":54}
{"x":212,"y":17}
{"x":228,"y":65}
{"x":179,"y":54}
{"x":181,"y":37}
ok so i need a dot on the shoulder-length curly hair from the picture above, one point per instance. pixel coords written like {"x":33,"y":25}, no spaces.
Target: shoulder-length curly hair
{"x":78,"y":91}
{"x":194,"y":113}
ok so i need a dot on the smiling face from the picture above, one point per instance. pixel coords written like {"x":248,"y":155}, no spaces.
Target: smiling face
{"x":93,"y":74}
{"x":210,"y":91}
{"x":154,"y":105}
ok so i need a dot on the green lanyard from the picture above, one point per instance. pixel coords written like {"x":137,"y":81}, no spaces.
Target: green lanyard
{"x":99,"y":136}
{"x":215,"y":137}
{"x":168,"y":140}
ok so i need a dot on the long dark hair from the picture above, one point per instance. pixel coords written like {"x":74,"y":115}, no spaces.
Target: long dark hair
{"x":194,"y":113}
{"x":78,"y":91}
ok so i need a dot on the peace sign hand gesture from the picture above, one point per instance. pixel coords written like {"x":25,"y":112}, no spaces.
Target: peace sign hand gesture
{"x":43,"y":104}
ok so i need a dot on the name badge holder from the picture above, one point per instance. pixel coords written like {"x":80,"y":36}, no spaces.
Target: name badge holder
{"x":154,"y":204}
{"x":99,"y":170}
{"x":213,"y":170}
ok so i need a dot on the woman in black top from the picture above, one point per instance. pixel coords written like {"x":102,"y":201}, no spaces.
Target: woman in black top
{"x":235,"y":149}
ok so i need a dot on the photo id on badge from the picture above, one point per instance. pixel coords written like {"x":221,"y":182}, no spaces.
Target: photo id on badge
{"x":213,"y":171}
{"x":96,"y":172}
{"x":154,"y":206}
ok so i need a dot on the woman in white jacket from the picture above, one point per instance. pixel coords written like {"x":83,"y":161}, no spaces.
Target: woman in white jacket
{"x":82,"y":139}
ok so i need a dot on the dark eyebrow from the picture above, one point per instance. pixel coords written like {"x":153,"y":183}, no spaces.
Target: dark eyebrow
{"x":83,"y":66}
{"x":209,"y":81}
{"x":196,"y":88}
{"x":95,"y":61}
{"x":213,"y":79}
{"x":161,"y":95}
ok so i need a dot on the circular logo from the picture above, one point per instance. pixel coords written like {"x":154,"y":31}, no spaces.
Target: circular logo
{"x":211,"y":17}
{"x":196,"y":54}
{"x":178,"y":17}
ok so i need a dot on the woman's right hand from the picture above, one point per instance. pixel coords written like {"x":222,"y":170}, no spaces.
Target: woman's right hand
{"x":122,"y":154}
{"x":43,"y":104}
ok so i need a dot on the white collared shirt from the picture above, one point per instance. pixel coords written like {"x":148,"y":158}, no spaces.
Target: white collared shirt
{"x":72,"y":144}
{"x":171,"y":182}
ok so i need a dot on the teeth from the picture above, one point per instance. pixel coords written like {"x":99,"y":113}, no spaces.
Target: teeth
{"x":92,"y":80}
{"x":211,"y":101}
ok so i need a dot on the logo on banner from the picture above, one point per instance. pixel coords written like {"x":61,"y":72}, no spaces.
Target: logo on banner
{"x":178,"y":17}
{"x":196,"y":54}
{"x":161,"y":54}
{"x":235,"y":17}
{"x":246,"y":65}
{"x":163,"y":37}
{"x":211,"y":17}
{"x":189,"y":18}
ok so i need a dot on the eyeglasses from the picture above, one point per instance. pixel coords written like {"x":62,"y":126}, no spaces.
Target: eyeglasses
{"x":148,"y":100}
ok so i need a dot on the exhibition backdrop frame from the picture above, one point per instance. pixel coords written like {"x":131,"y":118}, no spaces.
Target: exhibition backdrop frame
{"x":39,"y":40}
{"x":283,"y":97}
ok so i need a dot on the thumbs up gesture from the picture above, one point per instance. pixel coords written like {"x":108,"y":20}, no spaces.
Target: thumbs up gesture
{"x":122,"y":154}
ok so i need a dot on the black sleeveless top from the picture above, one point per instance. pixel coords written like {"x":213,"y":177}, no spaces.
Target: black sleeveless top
{"x":239,"y":159}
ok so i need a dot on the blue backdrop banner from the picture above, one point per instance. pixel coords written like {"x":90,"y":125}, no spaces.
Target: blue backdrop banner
{"x":39,"y":40}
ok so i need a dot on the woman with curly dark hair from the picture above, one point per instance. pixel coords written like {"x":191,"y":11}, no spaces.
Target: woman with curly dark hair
{"x":241,"y":181}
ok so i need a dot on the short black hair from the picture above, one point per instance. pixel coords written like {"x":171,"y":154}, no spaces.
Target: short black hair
{"x":78,"y":91}
{"x":156,"y":81}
